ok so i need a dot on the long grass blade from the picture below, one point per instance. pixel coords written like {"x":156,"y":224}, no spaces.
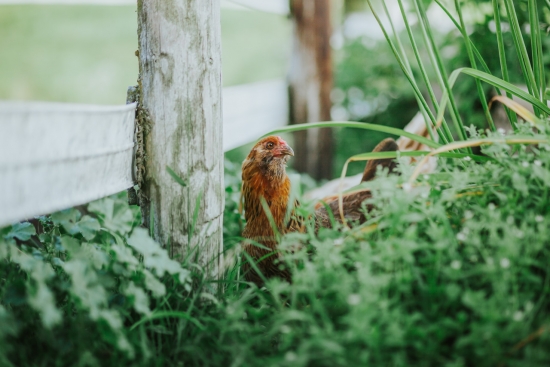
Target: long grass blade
{"x":475,"y":143}
{"x":507,"y":86}
{"x":536,"y":50}
{"x":480,"y":91}
{"x":416,"y":153}
{"x":176,"y":177}
{"x":270,"y":218}
{"x":395,"y":154}
{"x":168,"y":314}
{"x":195,"y":217}
{"x":444,"y":135}
{"x":496,"y":82}
{"x":255,"y":266}
{"x":402,"y":65}
{"x":426,"y":114}
{"x":502,"y":58}
{"x":474,"y":48}
{"x":432,"y":54}
{"x":511,"y":116}
{"x":520,"y":110}
{"x":416,"y":52}
{"x":426,"y":36}
{"x":457,"y":121}
{"x":521,"y":49}
{"x":356,"y":125}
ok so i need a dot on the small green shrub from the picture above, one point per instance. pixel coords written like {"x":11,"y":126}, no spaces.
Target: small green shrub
{"x":74,"y":290}
{"x":451,"y":271}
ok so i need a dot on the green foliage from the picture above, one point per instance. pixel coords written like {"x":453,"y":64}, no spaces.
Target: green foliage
{"x":75,"y":287}
{"x":425,"y":55}
{"x":232,"y":218}
{"x":450,"y":270}
{"x":373,"y":92}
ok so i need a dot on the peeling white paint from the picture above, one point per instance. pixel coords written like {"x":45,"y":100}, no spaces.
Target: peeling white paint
{"x":54,"y":156}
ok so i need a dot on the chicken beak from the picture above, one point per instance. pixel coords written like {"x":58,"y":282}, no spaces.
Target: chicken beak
{"x":287,"y":150}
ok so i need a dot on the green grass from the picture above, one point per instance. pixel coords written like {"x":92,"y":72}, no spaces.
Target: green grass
{"x":85,"y":54}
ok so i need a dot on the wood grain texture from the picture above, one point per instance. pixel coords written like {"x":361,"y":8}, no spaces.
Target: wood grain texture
{"x":54,"y":156}
{"x":180,"y":80}
{"x":310,"y":79}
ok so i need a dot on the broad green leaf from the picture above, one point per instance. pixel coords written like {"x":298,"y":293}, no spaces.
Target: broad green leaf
{"x":22,"y":231}
{"x":155,"y":257}
{"x":67,"y":219}
{"x":88,"y":227}
{"x":39,"y":295}
{"x":157,"y":288}
{"x":43,"y":301}
{"x":139,"y":298}
{"x":115,"y":215}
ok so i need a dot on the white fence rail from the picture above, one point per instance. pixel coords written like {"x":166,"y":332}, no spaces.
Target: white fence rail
{"x":54,"y":156}
{"x":252,"y":110}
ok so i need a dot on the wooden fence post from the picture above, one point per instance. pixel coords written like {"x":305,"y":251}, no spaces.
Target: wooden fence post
{"x":180,"y":110}
{"x":310,"y":83}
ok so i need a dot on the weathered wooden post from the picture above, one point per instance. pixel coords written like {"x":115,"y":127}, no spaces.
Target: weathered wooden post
{"x":180,"y":111}
{"x":310,"y":83}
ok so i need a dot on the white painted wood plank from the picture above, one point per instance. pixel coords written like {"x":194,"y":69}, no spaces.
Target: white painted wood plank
{"x":270,"y":6}
{"x":54,"y":156}
{"x":251,"y":110}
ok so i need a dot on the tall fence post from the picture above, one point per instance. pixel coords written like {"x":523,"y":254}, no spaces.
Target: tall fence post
{"x":310,"y":83}
{"x":180,"y":112}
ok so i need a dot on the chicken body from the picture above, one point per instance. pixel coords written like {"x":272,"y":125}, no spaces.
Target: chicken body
{"x":267,"y":186}
{"x":265,"y":180}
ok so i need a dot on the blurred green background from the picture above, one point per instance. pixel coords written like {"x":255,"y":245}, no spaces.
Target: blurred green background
{"x":85,"y":53}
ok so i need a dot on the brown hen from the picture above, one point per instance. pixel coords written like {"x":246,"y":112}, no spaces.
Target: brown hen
{"x":267,"y":186}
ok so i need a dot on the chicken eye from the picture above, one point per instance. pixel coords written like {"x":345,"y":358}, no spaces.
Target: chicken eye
{"x":269,"y":145}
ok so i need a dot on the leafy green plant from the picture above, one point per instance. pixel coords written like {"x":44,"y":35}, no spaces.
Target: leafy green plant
{"x":76,"y":285}
{"x":450,"y":268}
